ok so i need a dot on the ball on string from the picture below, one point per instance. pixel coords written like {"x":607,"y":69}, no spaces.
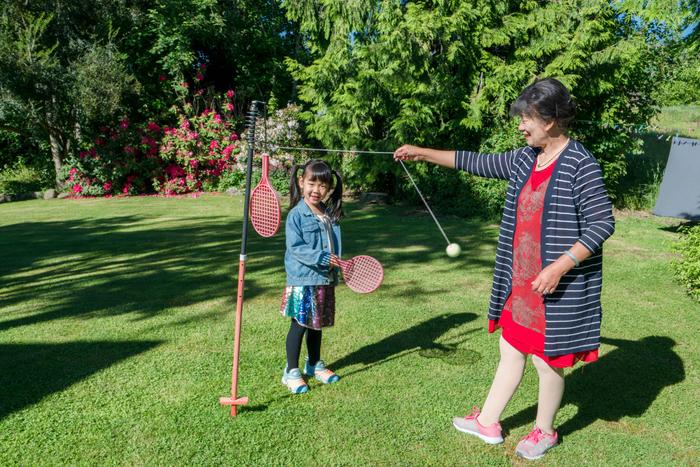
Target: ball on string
{"x":453,"y":250}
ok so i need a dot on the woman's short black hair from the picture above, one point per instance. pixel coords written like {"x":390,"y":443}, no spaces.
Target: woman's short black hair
{"x":546,"y":99}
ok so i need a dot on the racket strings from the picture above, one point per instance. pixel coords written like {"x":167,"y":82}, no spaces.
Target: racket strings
{"x":363,"y":274}
{"x":265,"y":211}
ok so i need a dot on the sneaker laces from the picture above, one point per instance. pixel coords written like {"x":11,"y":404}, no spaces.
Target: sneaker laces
{"x":535,"y":435}
{"x":475,"y":413}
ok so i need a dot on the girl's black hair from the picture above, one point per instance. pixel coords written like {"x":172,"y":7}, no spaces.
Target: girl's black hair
{"x":318,"y":170}
{"x":547,"y":99}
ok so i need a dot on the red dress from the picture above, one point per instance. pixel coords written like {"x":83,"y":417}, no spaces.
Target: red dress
{"x":523,"y":317}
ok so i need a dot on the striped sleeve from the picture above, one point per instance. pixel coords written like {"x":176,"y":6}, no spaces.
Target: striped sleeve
{"x":487,"y":165}
{"x":593,"y":203}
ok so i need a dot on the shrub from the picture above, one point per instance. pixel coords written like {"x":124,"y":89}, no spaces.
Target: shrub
{"x":20,"y":179}
{"x":129,"y":159}
{"x":687,"y":268}
{"x":121,"y":160}
{"x":197,"y":152}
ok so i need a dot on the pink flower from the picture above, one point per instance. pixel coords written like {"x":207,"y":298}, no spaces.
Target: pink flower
{"x":152,"y":126}
{"x":217,"y":118}
{"x":229,"y":93}
{"x":107,"y":186}
{"x":199,"y":77}
{"x":83,"y":154}
{"x":124,"y":124}
{"x":185,"y":124}
{"x":194,"y":163}
{"x":77,"y":189}
{"x":185,"y":84}
{"x":126,"y":188}
{"x":214,"y":144}
{"x":229,"y":107}
{"x":234,"y":137}
{"x":206,"y":112}
{"x":203,"y":66}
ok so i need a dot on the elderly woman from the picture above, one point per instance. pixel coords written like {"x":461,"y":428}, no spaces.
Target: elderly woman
{"x":548,"y":275}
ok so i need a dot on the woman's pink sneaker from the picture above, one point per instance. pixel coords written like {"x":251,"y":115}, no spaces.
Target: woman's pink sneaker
{"x":469,"y":424}
{"x":536,"y":444}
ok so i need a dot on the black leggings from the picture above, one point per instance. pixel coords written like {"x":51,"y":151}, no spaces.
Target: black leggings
{"x":294,"y":337}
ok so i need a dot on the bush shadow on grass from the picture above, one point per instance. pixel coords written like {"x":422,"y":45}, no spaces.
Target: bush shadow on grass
{"x":135,"y":265}
{"x":30,"y":372}
{"x":622,"y":383}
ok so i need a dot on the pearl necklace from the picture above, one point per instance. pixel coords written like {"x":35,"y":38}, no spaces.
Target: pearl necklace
{"x":540,"y":165}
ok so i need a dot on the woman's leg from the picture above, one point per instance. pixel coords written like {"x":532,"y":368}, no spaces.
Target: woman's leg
{"x":294,"y":338}
{"x":550,"y":394}
{"x":313,"y":345}
{"x":505,"y":382}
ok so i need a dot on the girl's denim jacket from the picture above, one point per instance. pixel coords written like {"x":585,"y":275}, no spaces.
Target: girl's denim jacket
{"x":307,"y":259}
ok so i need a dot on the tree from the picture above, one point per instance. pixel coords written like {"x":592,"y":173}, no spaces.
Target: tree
{"x":443,"y":73}
{"x":59,"y":69}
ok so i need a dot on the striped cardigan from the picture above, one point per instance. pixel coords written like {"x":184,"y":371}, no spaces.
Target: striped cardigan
{"x":576,"y":208}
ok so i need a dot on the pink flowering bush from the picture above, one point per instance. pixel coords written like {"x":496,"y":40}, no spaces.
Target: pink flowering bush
{"x":197,"y":152}
{"x":132,"y":159}
{"x":121,"y":160}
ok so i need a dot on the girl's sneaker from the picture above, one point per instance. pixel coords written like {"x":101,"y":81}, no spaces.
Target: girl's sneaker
{"x":320,"y":372}
{"x":536,"y":444}
{"x":294,"y":382}
{"x":469,"y":424}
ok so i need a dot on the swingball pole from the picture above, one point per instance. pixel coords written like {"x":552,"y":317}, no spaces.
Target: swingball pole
{"x":234,"y":401}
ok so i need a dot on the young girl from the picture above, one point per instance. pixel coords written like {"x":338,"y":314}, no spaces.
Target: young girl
{"x":313,"y":248}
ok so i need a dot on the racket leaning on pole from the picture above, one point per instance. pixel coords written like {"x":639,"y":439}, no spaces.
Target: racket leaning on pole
{"x":363,"y":274}
{"x":265,"y":212}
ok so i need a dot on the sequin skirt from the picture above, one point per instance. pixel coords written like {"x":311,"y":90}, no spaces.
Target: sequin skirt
{"x":312,"y":306}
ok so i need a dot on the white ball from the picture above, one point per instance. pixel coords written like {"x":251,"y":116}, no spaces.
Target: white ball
{"x":453,"y":250}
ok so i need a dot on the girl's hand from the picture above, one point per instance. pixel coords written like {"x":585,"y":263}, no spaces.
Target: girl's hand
{"x":408,"y":152}
{"x":548,"y":279}
{"x":334,"y":261}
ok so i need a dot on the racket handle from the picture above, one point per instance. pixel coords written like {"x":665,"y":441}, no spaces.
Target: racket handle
{"x":265,"y":164}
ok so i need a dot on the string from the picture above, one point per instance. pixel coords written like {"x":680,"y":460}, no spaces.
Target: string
{"x":425,"y":202}
{"x":355,"y":151}
{"x":381,"y":153}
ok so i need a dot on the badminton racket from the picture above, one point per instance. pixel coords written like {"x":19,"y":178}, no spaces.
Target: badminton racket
{"x":264,"y":205}
{"x":363,"y":274}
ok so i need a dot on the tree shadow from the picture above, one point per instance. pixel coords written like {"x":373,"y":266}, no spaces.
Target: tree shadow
{"x":141,"y":266}
{"x":30,"y":372}
{"x":622,"y":383}
{"x":419,"y":337}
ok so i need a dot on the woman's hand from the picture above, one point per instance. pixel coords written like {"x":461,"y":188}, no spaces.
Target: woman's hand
{"x":334,"y":261}
{"x":408,"y":152}
{"x":548,"y":279}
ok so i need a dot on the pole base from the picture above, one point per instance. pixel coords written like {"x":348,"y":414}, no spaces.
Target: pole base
{"x":231,"y":401}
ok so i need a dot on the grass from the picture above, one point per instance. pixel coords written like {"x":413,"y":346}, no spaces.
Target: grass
{"x":116,"y":337}
{"x":681,"y":119}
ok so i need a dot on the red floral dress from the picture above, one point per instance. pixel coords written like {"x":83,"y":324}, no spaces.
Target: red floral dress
{"x":523,"y":318}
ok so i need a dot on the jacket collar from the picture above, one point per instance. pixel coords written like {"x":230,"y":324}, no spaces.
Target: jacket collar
{"x":305,"y":210}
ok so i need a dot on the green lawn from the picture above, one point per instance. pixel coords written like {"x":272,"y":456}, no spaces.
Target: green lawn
{"x":116,"y":320}
{"x":681,"y":119}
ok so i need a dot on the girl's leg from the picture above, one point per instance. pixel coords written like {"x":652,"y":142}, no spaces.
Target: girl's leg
{"x":550,"y":394}
{"x":313,"y":345}
{"x":294,"y":337}
{"x":508,"y":376}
